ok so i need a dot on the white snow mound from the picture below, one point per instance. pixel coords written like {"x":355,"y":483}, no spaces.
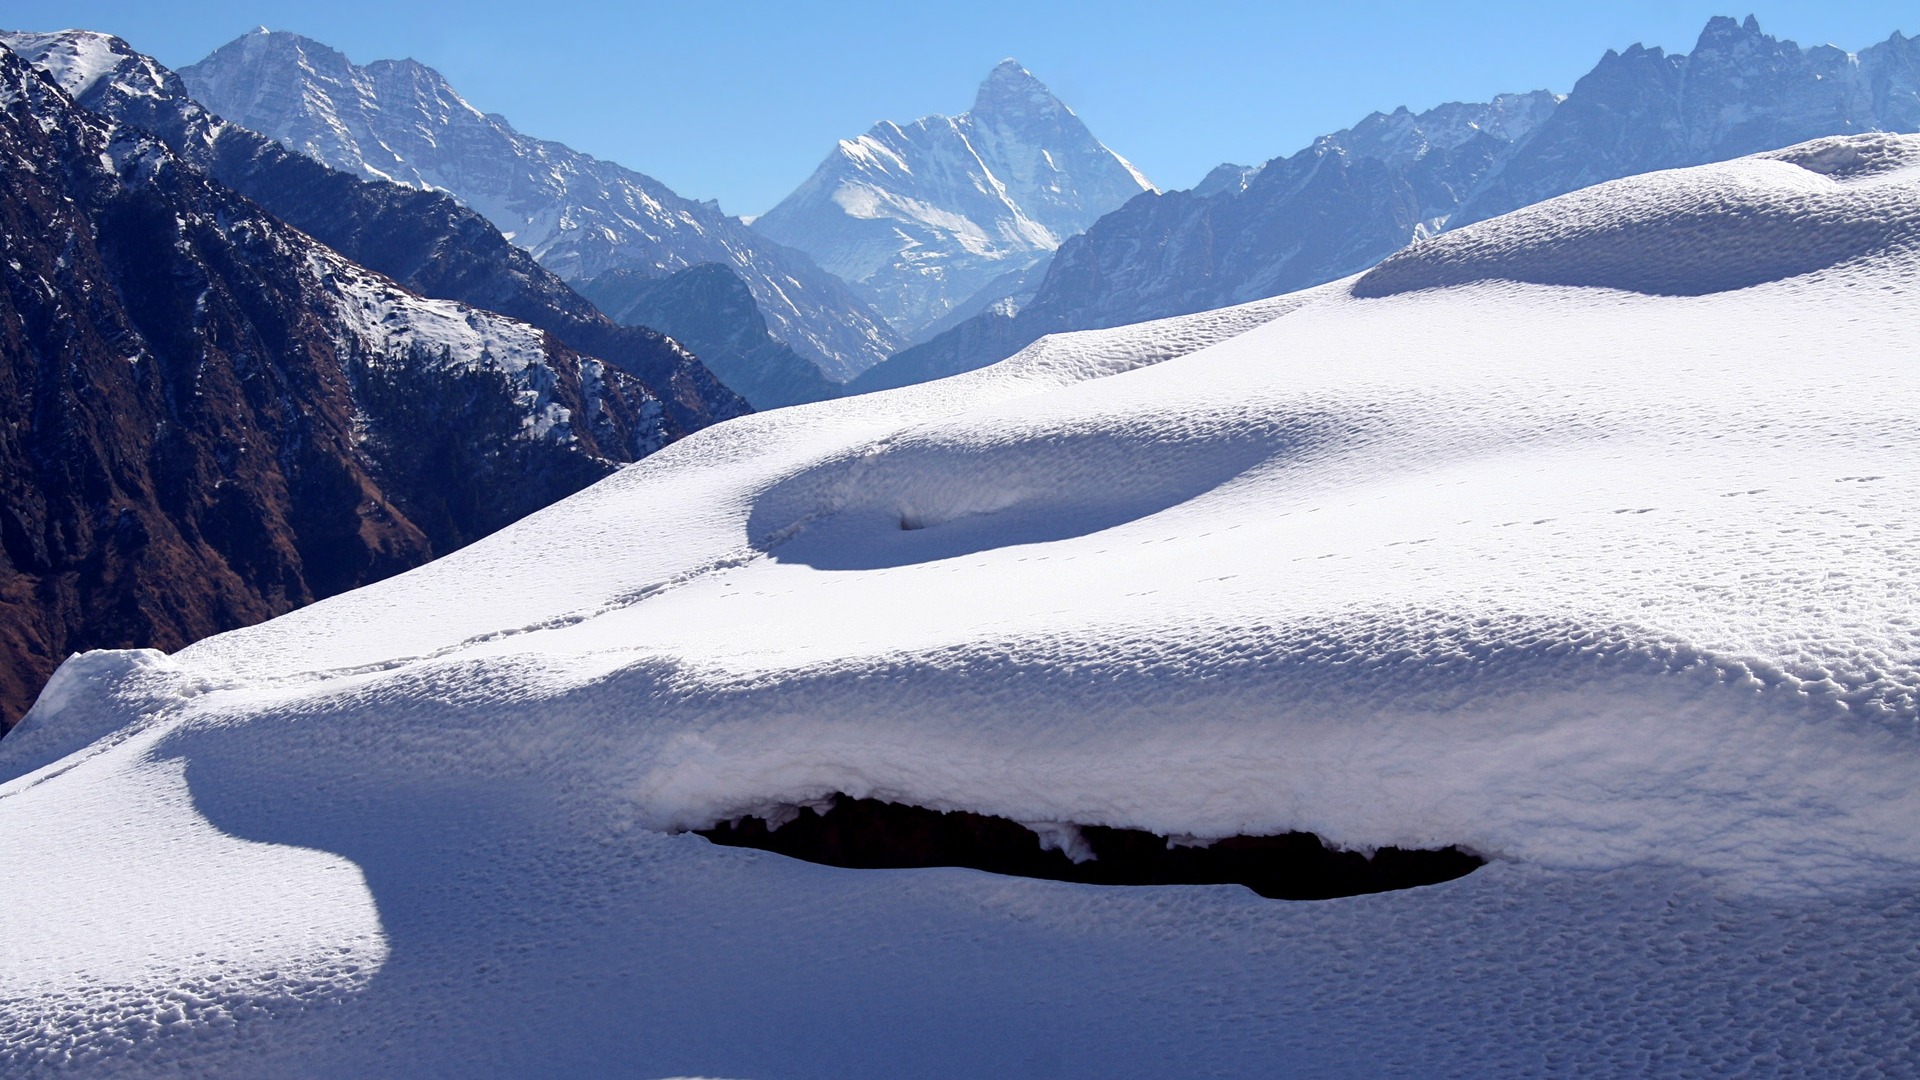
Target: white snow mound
{"x":1616,"y":586}
{"x":1690,"y":231}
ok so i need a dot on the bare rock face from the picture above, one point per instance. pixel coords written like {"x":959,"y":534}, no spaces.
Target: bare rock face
{"x":208,"y":418}
{"x":399,"y":120}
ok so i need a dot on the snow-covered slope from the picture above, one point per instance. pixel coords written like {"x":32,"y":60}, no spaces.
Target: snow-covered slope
{"x":1611,"y":585}
{"x":400,"y":120}
{"x":922,"y":216}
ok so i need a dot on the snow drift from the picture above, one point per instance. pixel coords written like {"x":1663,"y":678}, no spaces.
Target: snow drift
{"x":1598,"y":573}
{"x":1691,"y":231}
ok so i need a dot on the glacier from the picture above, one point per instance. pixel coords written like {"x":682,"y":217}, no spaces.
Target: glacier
{"x":1511,"y":546}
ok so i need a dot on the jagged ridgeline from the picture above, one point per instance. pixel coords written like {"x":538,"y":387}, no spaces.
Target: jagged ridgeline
{"x":423,"y":239}
{"x":399,"y":120}
{"x":1356,"y":196}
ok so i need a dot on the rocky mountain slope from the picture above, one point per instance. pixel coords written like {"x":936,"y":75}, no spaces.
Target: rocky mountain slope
{"x":424,"y":240}
{"x":708,"y":308}
{"x":399,"y":120}
{"x":1356,"y":196}
{"x":208,"y":418}
{"x":922,"y":216}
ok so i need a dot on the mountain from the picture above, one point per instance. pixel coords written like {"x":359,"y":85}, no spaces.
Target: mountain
{"x":922,"y":216}
{"x":211,"y":418}
{"x":1340,"y":205}
{"x":1509,"y":549}
{"x":1739,"y":92}
{"x":424,"y":240}
{"x":710,"y":309}
{"x":399,"y":120}
{"x":1355,"y":196}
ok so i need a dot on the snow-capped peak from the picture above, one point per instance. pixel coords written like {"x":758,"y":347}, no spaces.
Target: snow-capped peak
{"x":924,"y":214}
{"x":1010,"y":85}
{"x":77,"y":59}
{"x":401,"y":120}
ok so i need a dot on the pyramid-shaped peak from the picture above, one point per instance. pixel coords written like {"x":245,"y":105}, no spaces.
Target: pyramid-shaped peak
{"x":1009,"y":86}
{"x":263,"y":38}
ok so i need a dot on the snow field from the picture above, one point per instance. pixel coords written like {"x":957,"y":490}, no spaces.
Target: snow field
{"x":1612,"y":586}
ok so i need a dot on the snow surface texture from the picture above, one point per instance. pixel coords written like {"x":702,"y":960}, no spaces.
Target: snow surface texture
{"x":76,"y":61}
{"x":1613,"y":586}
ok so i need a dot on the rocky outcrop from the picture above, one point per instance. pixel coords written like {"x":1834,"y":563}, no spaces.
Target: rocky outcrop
{"x":710,"y":309}
{"x":873,"y":834}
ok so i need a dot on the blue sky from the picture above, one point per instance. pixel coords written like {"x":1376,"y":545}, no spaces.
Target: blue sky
{"x":740,"y":99}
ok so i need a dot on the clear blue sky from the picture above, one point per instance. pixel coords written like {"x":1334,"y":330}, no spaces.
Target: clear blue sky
{"x":739,"y":100}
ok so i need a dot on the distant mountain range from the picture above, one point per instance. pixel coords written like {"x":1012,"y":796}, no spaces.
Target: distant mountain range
{"x":920,"y":217}
{"x":399,"y":120}
{"x":1356,"y":196}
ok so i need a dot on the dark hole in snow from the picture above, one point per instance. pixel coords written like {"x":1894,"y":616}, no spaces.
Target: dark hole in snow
{"x":867,"y":834}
